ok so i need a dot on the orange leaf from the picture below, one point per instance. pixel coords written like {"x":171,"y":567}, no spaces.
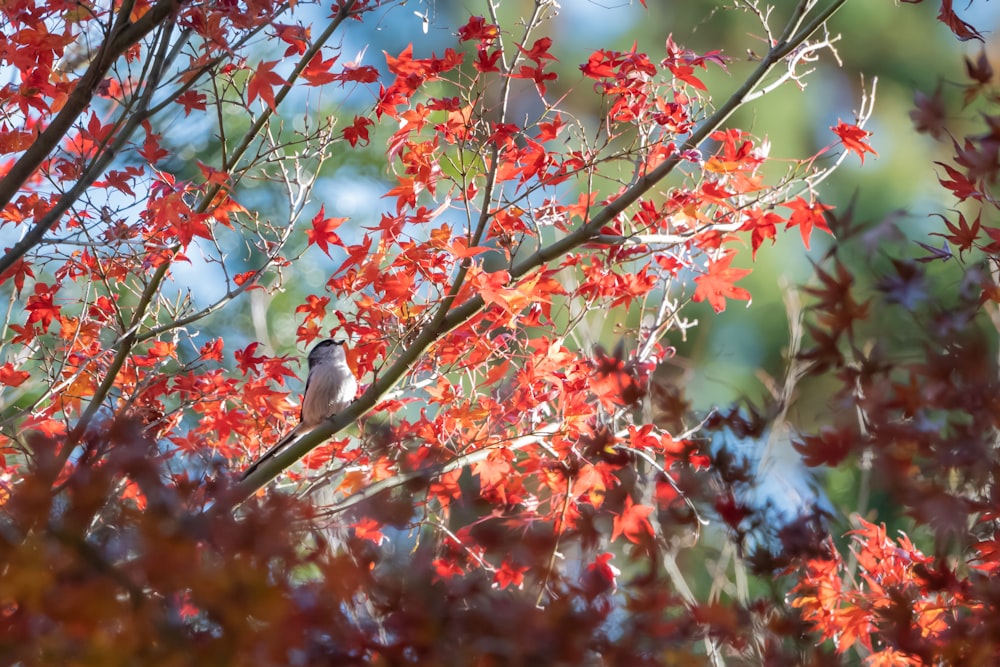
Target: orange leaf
{"x":718,"y":283}
{"x":162,"y":349}
{"x":633,"y":523}
{"x":493,"y":470}
{"x":460,"y":250}
{"x":11,"y":377}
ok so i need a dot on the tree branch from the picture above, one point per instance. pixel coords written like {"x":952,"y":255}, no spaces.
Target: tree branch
{"x":123,"y":35}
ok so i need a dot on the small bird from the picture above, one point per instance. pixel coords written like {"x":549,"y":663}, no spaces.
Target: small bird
{"x":330,"y":387}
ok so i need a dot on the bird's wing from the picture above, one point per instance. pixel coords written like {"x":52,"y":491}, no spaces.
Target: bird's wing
{"x":305,"y":392}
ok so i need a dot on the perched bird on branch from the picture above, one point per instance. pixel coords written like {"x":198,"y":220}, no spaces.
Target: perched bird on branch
{"x":330,"y":387}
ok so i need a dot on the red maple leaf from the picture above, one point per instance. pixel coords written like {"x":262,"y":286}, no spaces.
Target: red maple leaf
{"x":980,"y":71}
{"x":509,"y":574}
{"x":536,"y":74}
{"x":600,"y":65}
{"x":398,"y":286}
{"x":960,"y":185}
{"x":322,"y":231}
{"x":853,"y":138}
{"x":246,"y":361}
{"x":478,"y":29}
{"x":212,"y":350}
{"x":191,"y":100}
{"x":151,"y":149}
{"x":262,"y":83}
{"x":807,"y":215}
{"x":404,"y":64}
{"x":612,"y":383}
{"x":762,"y":226}
{"x":928,"y":114}
{"x":314,"y":307}
{"x":486,"y":60}
{"x":358,"y":131}
{"x":539,"y":51}
{"x":963,"y":30}
{"x":41,"y":306}
{"x":548,"y":131}
{"x":962,"y":234}
{"x":988,"y":556}
{"x":296,"y":36}
{"x":686,"y":74}
{"x":162,"y":349}
{"x":445,"y":568}
{"x":18,"y":271}
{"x":718,"y":283}
{"x":362,"y":74}
{"x":494,"y":470}
{"x":369,"y":529}
{"x":317,"y":72}
{"x":601,"y":576}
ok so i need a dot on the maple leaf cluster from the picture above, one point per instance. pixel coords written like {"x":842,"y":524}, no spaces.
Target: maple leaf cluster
{"x":497,"y":455}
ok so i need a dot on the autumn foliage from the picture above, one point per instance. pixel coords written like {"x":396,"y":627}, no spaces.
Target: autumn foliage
{"x":522,"y":478}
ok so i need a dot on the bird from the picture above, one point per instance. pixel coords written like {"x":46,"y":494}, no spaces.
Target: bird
{"x":330,"y":387}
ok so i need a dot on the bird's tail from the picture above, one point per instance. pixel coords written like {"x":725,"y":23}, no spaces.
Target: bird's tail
{"x":275,"y":449}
